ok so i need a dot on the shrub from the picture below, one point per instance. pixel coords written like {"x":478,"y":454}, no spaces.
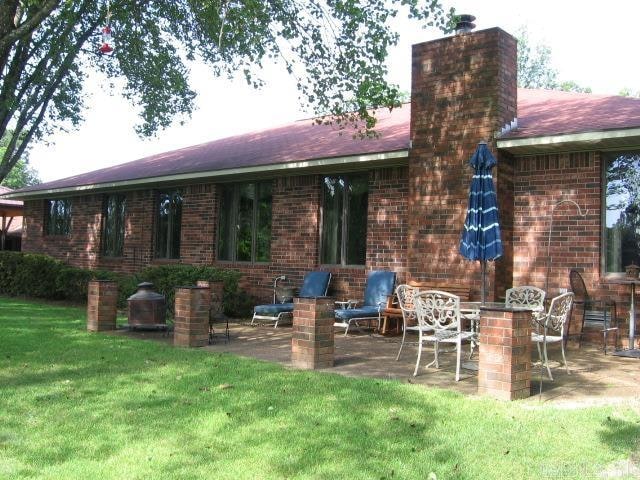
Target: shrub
{"x":166,"y":278}
{"x":41,"y":276}
{"x":29,"y":274}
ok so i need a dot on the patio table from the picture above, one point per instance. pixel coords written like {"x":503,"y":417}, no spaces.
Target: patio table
{"x":632,"y":282}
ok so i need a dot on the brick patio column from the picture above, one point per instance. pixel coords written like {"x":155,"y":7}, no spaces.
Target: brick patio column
{"x":102,"y":302}
{"x":504,"y":370}
{"x":312,"y":343}
{"x":191,"y":321}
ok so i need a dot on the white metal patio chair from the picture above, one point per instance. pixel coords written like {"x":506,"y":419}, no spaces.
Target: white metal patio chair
{"x":526,"y":296}
{"x":438,"y":315}
{"x":551,"y":326}
{"x":405,"y":295}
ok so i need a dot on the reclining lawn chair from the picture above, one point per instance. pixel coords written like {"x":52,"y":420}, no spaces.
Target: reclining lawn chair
{"x":379,"y":287}
{"x":315,"y":284}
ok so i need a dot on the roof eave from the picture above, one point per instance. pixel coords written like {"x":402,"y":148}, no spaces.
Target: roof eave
{"x":595,"y":140}
{"x":332,"y":164}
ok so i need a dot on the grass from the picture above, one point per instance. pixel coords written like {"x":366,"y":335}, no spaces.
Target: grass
{"x":80,"y":405}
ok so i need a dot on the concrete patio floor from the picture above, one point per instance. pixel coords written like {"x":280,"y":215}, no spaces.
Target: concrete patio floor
{"x":594,"y":379}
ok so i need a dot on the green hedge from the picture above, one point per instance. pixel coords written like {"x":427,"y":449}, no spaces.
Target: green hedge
{"x":41,"y":276}
{"x":166,"y":278}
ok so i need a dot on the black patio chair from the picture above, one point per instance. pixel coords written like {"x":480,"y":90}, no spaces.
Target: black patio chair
{"x":600,"y":313}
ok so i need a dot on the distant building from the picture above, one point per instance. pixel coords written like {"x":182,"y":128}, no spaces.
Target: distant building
{"x":10,"y":222}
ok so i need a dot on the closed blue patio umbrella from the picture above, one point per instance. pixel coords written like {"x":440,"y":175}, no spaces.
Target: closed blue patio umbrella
{"x":481,"y":235}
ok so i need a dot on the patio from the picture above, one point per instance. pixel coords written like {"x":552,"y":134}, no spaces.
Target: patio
{"x":595,"y":379}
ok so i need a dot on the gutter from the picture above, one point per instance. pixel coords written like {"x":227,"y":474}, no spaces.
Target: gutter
{"x":262,"y":171}
{"x":589,"y":138}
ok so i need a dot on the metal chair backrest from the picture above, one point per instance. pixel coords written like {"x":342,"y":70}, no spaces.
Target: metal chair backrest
{"x":525,"y":296}
{"x":558,"y":314}
{"x":438,"y":310}
{"x":578,"y":287}
{"x":405,"y":295}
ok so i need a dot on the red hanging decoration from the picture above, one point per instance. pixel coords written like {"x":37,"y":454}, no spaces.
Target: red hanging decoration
{"x":107,"y":39}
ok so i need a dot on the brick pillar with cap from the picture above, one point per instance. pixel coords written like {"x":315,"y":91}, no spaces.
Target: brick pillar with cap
{"x":504,"y":367}
{"x":191,"y":321}
{"x":312,"y":343}
{"x":102,"y":305}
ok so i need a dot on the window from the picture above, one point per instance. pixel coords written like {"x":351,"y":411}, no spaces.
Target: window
{"x":58,"y":217}
{"x":622,"y":210}
{"x":244,"y":228}
{"x":344,"y":220}
{"x":113,"y":212}
{"x":168,"y":224}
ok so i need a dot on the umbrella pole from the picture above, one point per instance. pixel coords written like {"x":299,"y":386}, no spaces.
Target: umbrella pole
{"x":483,"y":286}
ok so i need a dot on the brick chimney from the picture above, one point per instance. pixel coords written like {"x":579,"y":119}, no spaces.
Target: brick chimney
{"x":463,"y":91}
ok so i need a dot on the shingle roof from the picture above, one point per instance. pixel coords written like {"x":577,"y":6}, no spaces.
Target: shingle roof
{"x":299,"y":141}
{"x":549,"y":112}
{"x":540,"y":113}
{"x":11,"y":208}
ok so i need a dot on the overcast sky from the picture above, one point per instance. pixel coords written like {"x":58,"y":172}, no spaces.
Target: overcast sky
{"x":595,"y":47}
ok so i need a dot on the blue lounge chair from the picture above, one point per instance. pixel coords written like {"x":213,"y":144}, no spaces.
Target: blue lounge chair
{"x":315,"y":284}
{"x":379,"y":287}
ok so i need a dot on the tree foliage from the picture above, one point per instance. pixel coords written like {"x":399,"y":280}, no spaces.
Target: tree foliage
{"x":535,"y":69}
{"x":628,"y":92}
{"x":336,"y":49}
{"x":21,"y":175}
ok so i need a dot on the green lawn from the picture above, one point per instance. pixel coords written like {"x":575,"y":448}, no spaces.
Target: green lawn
{"x":96,"y":406}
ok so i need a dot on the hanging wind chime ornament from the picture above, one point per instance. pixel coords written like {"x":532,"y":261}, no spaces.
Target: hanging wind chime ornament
{"x":107,"y":39}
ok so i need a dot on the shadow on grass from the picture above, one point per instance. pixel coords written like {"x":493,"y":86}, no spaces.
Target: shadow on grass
{"x":145,"y":409}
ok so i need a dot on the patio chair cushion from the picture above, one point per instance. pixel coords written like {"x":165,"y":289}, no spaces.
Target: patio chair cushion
{"x":315,"y":284}
{"x":346,"y":314}
{"x":380,"y":285}
{"x":273,"y":309}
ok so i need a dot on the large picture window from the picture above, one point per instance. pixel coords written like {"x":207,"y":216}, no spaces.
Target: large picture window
{"x":58,"y":217}
{"x":622,"y":210}
{"x":113,"y":215}
{"x":344,"y":220}
{"x":168,"y":224}
{"x":244,"y":228}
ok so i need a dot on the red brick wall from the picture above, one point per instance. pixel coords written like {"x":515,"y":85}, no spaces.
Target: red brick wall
{"x":198,"y":232}
{"x":295,"y":233}
{"x":80,"y":247}
{"x":463,"y":91}
{"x":387,"y":223}
{"x":541,"y":182}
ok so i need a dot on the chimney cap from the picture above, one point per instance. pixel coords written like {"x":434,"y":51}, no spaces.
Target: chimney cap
{"x":464,"y":23}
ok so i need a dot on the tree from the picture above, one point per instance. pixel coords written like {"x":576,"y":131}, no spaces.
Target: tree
{"x":627,"y":92}
{"x":534,"y":64}
{"x":336,"y":49}
{"x":21,"y":175}
{"x":535,"y":70}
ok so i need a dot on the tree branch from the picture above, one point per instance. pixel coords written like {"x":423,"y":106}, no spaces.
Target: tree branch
{"x":29,"y":25}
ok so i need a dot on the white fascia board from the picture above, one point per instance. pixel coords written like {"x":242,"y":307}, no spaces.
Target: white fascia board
{"x":559,"y":140}
{"x":274,"y":170}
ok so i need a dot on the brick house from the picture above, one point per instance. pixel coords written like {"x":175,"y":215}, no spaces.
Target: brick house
{"x":301,"y":197}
